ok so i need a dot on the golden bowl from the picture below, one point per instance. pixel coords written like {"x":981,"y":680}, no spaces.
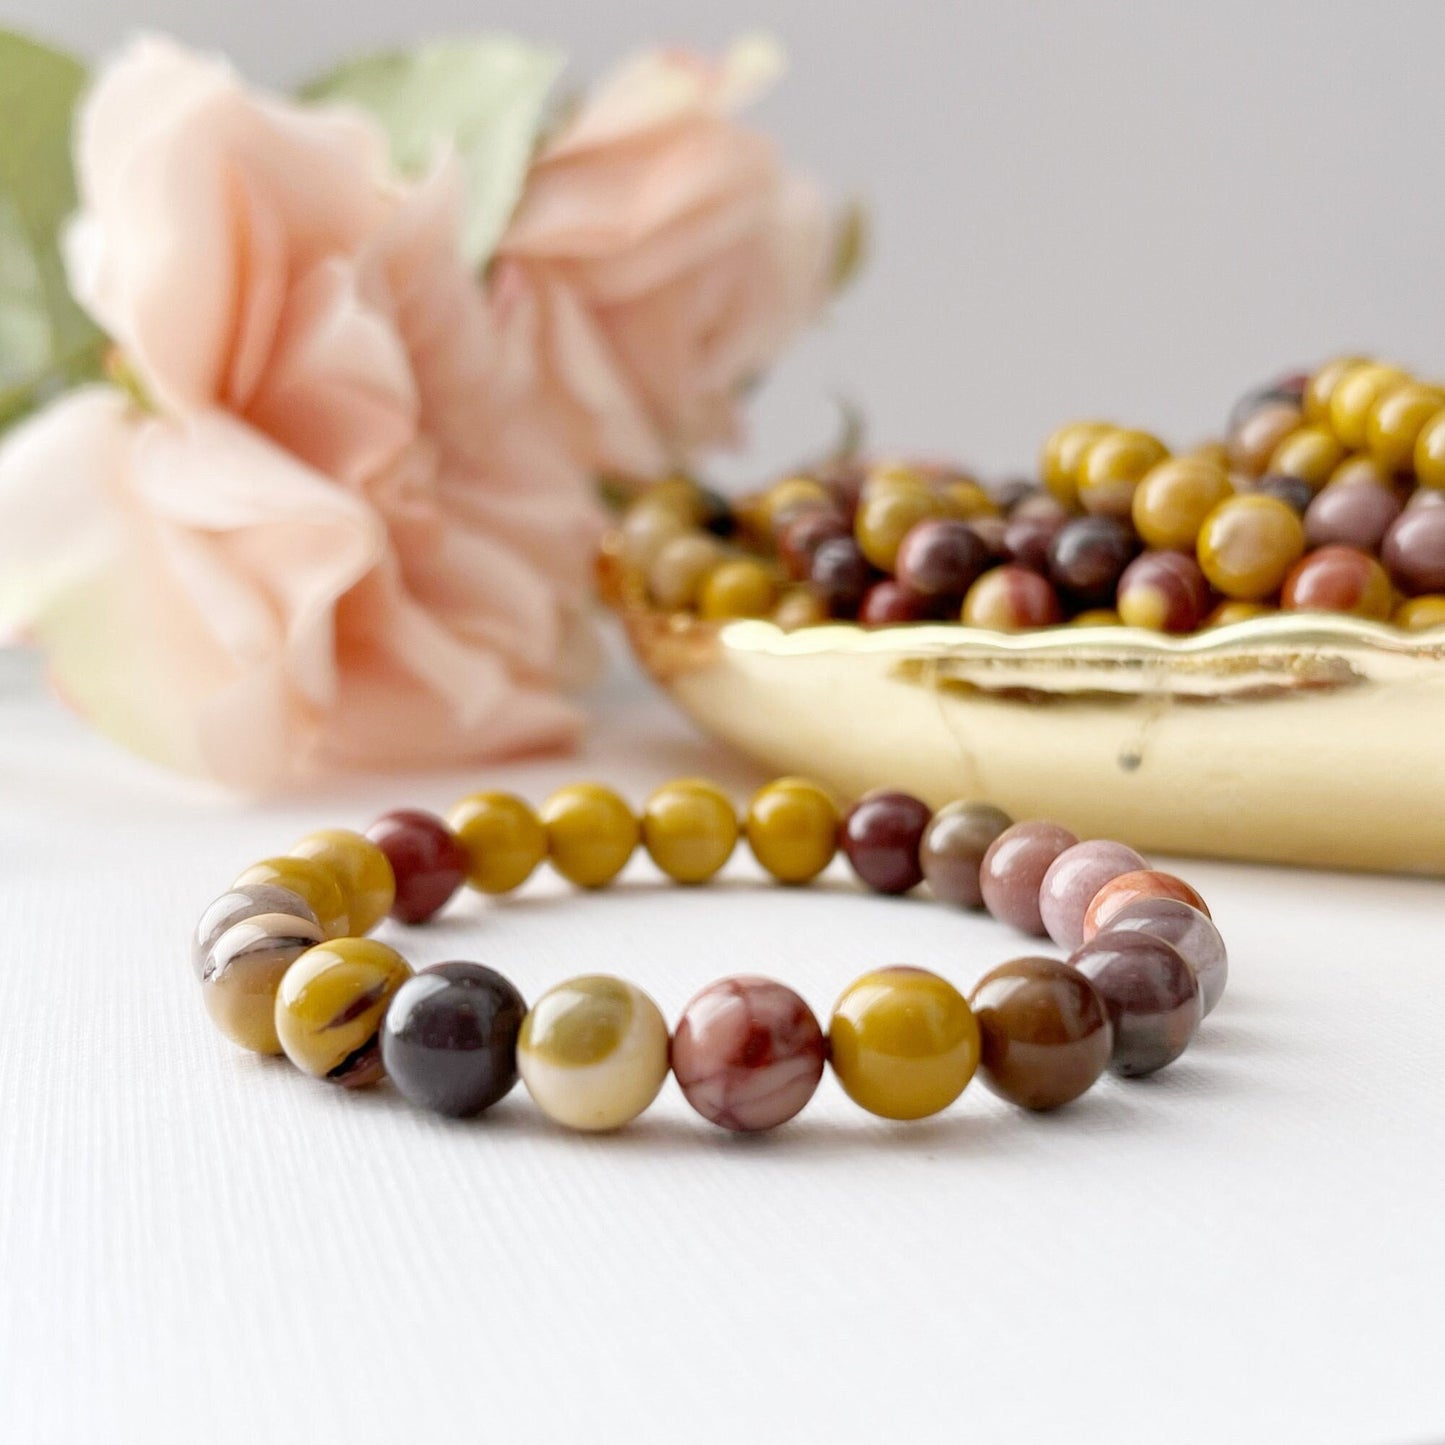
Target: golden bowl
{"x":1295,"y":738}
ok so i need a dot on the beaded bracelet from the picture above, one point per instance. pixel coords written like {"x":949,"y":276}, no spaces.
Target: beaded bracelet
{"x":285,"y":965}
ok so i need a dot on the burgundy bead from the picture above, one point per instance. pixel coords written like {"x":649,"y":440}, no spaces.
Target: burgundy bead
{"x":1189,"y":931}
{"x":748,"y":1053}
{"x":1164,"y":591}
{"x":1414,"y":550}
{"x":1028,"y":537}
{"x":1074,"y":877}
{"x":426,"y":857}
{"x":1353,"y":514}
{"x":1088,"y":555}
{"x":1152,"y":994}
{"x":888,"y":602}
{"x":881,"y":835}
{"x":1013,"y":871}
{"x":841,"y":575}
{"x":799,"y":540}
{"x":941,"y":558}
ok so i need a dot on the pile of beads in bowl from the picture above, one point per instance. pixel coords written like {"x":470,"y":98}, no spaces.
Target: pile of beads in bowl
{"x":1326,"y":495}
{"x":285,"y":965}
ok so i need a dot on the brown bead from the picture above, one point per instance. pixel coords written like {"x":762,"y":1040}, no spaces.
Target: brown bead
{"x":799,"y":541}
{"x":1087,"y":557}
{"x":1011,"y":599}
{"x":881,"y":834}
{"x":1153,"y":998}
{"x":1013,"y":872}
{"x":889,"y":602}
{"x":1164,"y":591}
{"x":1046,"y":1035}
{"x":952,"y":850}
{"x":1252,"y":445}
{"x":941,"y":558}
{"x":840,"y":574}
{"x":1027,"y":538}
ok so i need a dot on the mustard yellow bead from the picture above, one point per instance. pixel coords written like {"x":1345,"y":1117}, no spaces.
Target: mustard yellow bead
{"x":591,"y":833}
{"x":1175,"y":497}
{"x":1354,"y":397}
{"x":1063,"y":455}
{"x":690,"y":829}
{"x":330,"y":1006}
{"x":362,"y":870}
{"x":242,"y":971}
{"x":743,"y":588}
{"x":800,"y":607}
{"x":791,"y":494}
{"x":964,"y":499}
{"x":1230,"y":612}
{"x":904,"y":1043}
{"x":886,"y":517}
{"x":681,"y":566}
{"x":314,"y":881}
{"x":1396,"y":421}
{"x":1113,"y":467}
{"x":792,"y":828}
{"x":1419,"y":614}
{"x":1430,"y":453}
{"x":1321,"y":389}
{"x":681,"y":494}
{"x":1097,"y":617}
{"x":646,"y":528}
{"x":1311,"y":453}
{"x":893,"y":476}
{"x":1248,"y":545}
{"x":503,"y":837}
{"x":1360,"y":468}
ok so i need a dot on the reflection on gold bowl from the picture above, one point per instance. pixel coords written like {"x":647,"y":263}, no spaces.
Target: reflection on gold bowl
{"x":1294,"y":738}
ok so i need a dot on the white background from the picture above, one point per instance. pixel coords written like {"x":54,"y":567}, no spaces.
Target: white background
{"x":1134,"y":210}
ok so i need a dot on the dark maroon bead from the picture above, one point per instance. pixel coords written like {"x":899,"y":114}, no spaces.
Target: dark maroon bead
{"x":1088,"y":556}
{"x":449,"y":1039}
{"x":426,"y":857}
{"x":1294,"y":492}
{"x":1351,"y":514}
{"x":888,"y":602}
{"x":841,"y":575}
{"x":941,"y":558}
{"x":1414,"y":550}
{"x":881,"y":834}
{"x":1027,"y":538}
{"x":804,"y":534}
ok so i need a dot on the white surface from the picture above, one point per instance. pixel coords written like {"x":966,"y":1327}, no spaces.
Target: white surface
{"x":201,"y":1246}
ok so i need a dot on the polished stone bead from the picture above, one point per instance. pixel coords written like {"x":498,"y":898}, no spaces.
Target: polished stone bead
{"x":1028,"y":538}
{"x":427,"y":860}
{"x":841,"y":575}
{"x":1153,"y":998}
{"x":1118,"y":893}
{"x":1163,"y":591}
{"x":1174,"y":498}
{"x":1429,"y":459}
{"x":953,"y":847}
{"x":886,"y":516}
{"x":1308,"y":455}
{"x":1254,"y":441}
{"x":1396,"y":421}
{"x":1353,"y":514}
{"x":1189,"y":931}
{"x":1064,"y":454}
{"x":741,"y":588}
{"x":243,"y":969}
{"x":503,"y":837}
{"x":904,"y":1042}
{"x":748,"y":1053}
{"x":941,"y":558}
{"x":591,"y":833}
{"x":1414,"y":550}
{"x":1294,"y":492}
{"x":314,"y":881}
{"x":1045,"y":1032}
{"x":1354,"y":396}
{"x":1011,"y":599}
{"x":888,"y":603}
{"x":679,"y":569}
{"x":1113,"y":467}
{"x":792,"y":828}
{"x":237,"y":904}
{"x":1248,"y":545}
{"x":593,"y":1052}
{"x":449,"y":1040}
{"x":1074,"y":877}
{"x":1339,"y":579}
{"x":361,"y":868}
{"x":690,"y":829}
{"x":1088,"y":556}
{"x":1420,"y":614}
{"x":1013,"y":872}
{"x":881,"y":835}
{"x":330,"y":1007}
{"x":799,"y":541}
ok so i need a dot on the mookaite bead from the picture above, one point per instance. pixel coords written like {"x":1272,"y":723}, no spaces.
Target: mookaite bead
{"x":1074,"y":877}
{"x":314,"y":881}
{"x":1339,"y":579}
{"x":904,"y":1042}
{"x":1113,"y":467}
{"x":1163,"y":591}
{"x":1189,"y":931}
{"x":1010,"y":599}
{"x":1118,"y":893}
{"x":1088,"y":555}
{"x":591,"y":833}
{"x":952,"y":850}
{"x":887,"y":603}
{"x":1153,"y":997}
{"x":792,"y":828}
{"x":941,"y":558}
{"x":1013,"y":872}
{"x":1353,"y":514}
{"x":237,"y":904}
{"x":243,"y":969}
{"x":1172,"y":501}
{"x":427,"y":861}
{"x":1420,"y":614}
{"x":1309,"y":455}
{"x":881,"y":835}
{"x":1045,"y":1032}
{"x":1414,"y":550}
{"x":449,"y":1040}
{"x":593,"y":1052}
{"x":741,"y":588}
{"x":1354,"y":396}
{"x":887,"y":516}
{"x":1253,"y":443}
{"x":678,"y":570}
{"x":841,"y":575}
{"x":748,"y":1053}
{"x":1028,"y":538}
{"x":1064,"y":454}
{"x":503,"y":837}
{"x":330,"y":1006}
{"x":690,"y":829}
{"x":361,"y":868}
{"x":1248,"y":544}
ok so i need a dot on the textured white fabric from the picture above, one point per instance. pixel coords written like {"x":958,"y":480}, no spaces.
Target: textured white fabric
{"x":197,"y":1245}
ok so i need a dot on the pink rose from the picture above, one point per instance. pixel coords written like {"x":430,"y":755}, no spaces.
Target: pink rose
{"x":660,"y":257}
{"x":346,"y":532}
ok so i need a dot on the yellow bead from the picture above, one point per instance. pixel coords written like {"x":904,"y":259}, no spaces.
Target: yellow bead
{"x":1253,"y":443}
{"x":362,"y":870}
{"x":1174,"y":498}
{"x":744,"y":588}
{"x":904,"y":1043}
{"x":330,"y":1006}
{"x":1311,"y":454}
{"x":893,"y":477}
{"x":690,"y":829}
{"x":1064,"y":454}
{"x":800,"y":607}
{"x":791,"y":494}
{"x":886,"y":517}
{"x":681,"y":494}
{"x":792,"y":828}
{"x":503,"y":837}
{"x":964,"y":499}
{"x":1419,"y":614}
{"x":242,"y":971}
{"x":646,"y":529}
{"x":314,"y":881}
{"x":1248,"y":545}
{"x":1113,"y":467}
{"x":1430,"y":453}
{"x":1228,"y":613}
{"x":1321,"y":389}
{"x":591,"y":833}
{"x":1357,"y":469}
{"x":1355,"y":395}
{"x":1097,"y":617}
{"x":1396,"y":421}
{"x":679,"y":569}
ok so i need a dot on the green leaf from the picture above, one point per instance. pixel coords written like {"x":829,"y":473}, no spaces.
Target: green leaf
{"x":486,"y":97}
{"x":46,"y":341}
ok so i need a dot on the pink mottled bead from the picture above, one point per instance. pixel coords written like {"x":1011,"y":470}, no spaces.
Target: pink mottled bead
{"x":1118,"y":893}
{"x":1074,"y":877}
{"x":1013,"y":870}
{"x":748,"y":1053}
